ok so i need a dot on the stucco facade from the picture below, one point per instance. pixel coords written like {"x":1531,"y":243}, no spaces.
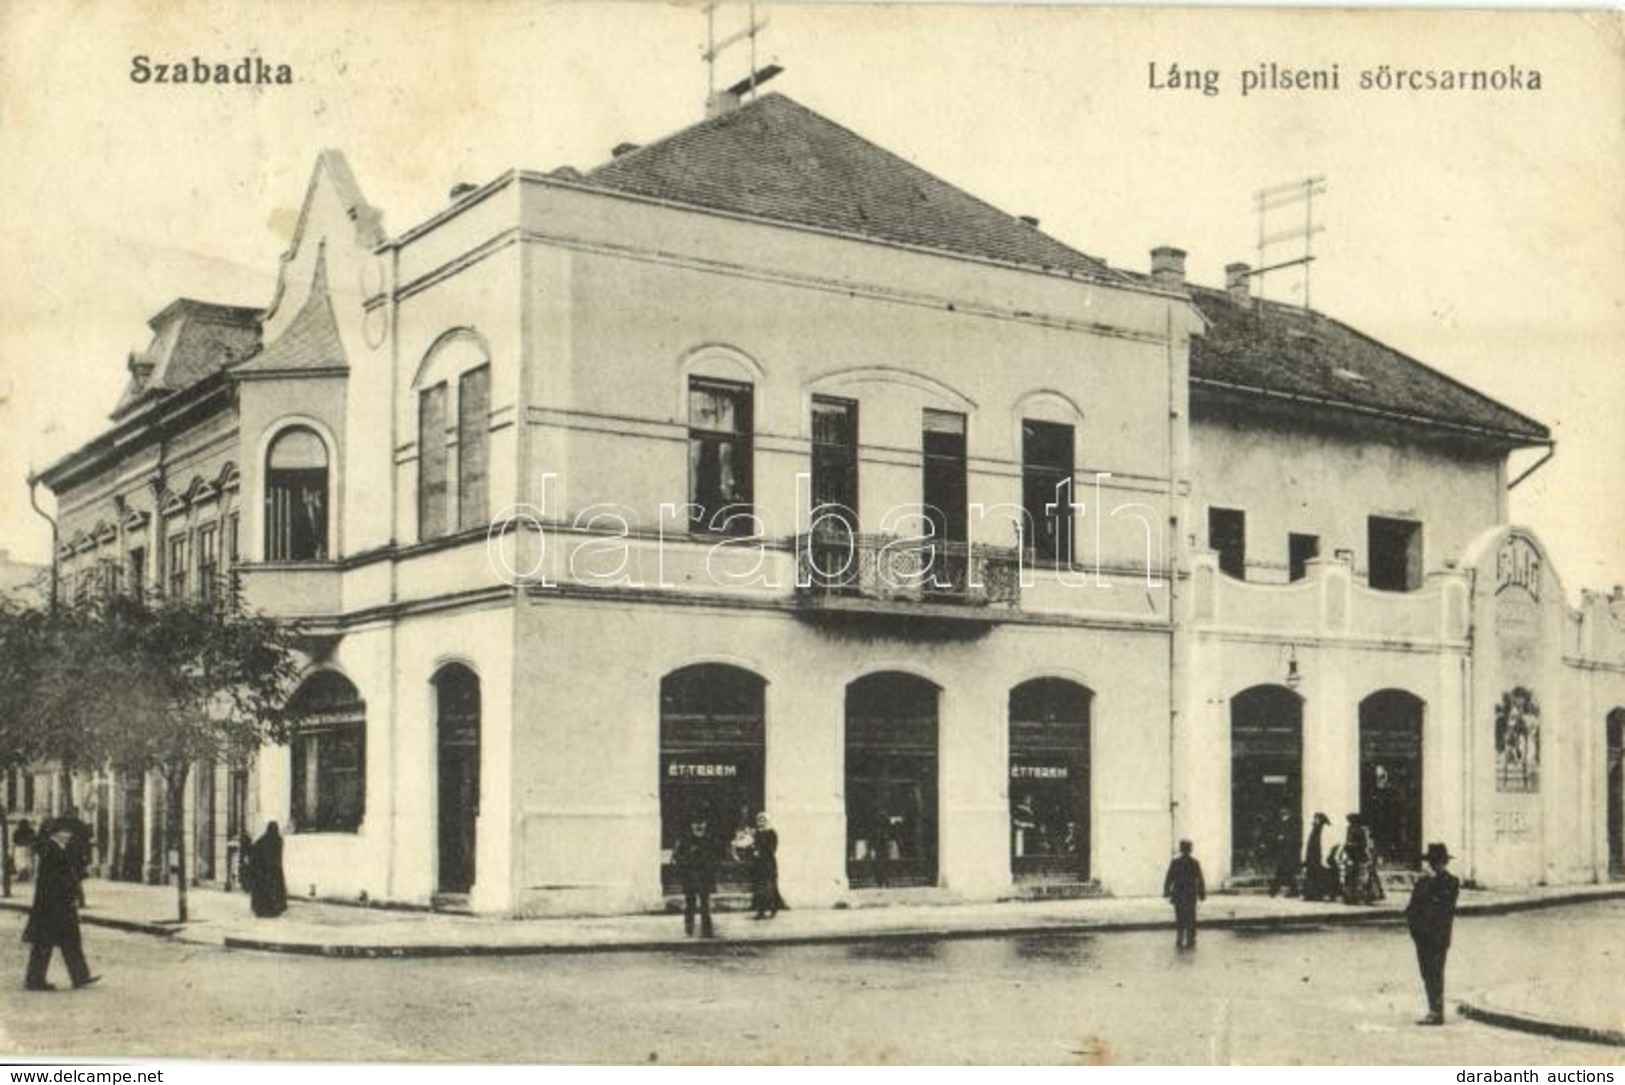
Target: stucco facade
{"x":477,"y":461}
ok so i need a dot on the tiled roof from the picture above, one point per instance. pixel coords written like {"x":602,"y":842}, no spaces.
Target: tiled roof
{"x":1281,"y":351}
{"x":191,"y":340}
{"x":311,"y":340}
{"x":774,"y":159}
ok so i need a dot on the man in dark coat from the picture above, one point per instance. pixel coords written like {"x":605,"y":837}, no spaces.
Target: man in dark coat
{"x":1284,"y":851}
{"x":1430,"y":915}
{"x":53,"y":922}
{"x":695,"y":860}
{"x":1184,"y":886}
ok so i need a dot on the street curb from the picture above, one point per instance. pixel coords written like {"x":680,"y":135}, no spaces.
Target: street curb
{"x":1386,"y":915}
{"x":1541,"y":1026}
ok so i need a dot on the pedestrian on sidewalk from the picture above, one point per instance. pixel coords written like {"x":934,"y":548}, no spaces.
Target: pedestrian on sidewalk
{"x":1430,"y":915}
{"x":53,"y":922}
{"x":695,"y":860}
{"x":267,"y":888}
{"x":1284,"y":852}
{"x":1316,"y":884}
{"x":764,"y":869}
{"x":1184,"y":886}
{"x":1357,"y":862}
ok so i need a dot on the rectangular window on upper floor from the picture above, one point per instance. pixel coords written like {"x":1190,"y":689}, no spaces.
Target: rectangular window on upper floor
{"x":432,"y":462}
{"x":178,"y":568}
{"x":1046,"y":490}
{"x":208,"y":561}
{"x":1394,"y":549}
{"x":835,"y":462}
{"x":944,"y":485}
{"x":1227,"y":536}
{"x":1300,"y":551}
{"x":720,"y":491}
{"x":473,"y":448}
{"x":138,"y":572}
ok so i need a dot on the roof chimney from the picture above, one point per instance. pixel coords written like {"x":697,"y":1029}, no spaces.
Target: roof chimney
{"x":1168,"y":266}
{"x":1238,"y":282}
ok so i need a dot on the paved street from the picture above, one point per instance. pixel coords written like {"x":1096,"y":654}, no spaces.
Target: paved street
{"x":1328,"y":995}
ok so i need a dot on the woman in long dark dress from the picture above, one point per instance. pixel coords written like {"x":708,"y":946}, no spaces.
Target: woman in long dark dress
{"x":267,"y":889}
{"x":764,"y":870}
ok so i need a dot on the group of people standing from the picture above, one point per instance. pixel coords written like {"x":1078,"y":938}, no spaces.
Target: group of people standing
{"x":695,"y":860}
{"x":1346,"y":871}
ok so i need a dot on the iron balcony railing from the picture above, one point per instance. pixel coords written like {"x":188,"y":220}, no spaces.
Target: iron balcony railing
{"x":893,"y":569}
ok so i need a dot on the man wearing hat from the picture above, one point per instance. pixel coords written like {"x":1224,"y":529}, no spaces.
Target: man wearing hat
{"x":1430,"y":915}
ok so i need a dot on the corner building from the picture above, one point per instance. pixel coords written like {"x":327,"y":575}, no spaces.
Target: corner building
{"x":759,"y":469}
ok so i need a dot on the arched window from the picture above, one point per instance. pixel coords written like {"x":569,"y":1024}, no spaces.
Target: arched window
{"x":891,"y":780}
{"x":712,"y":732}
{"x":457,"y":711}
{"x":296,"y":497}
{"x":1266,"y":777}
{"x":1049,"y":780}
{"x":1391,"y":774}
{"x":329,"y":755}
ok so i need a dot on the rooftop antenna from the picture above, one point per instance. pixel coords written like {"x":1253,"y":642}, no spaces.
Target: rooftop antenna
{"x":1280,"y":197}
{"x":746,"y":87}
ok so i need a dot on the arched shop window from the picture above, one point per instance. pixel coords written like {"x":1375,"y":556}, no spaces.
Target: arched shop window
{"x":1266,"y":774}
{"x":891,"y":781}
{"x":1391,"y":775}
{"x":329,"y":756}
{"x":1049,"y":780}
{"x":711,"y":756}
{"x":296,"y":497}
{"x":457,"y":714}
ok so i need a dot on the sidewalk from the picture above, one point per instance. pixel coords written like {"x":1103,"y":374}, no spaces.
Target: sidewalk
{"x":328,"y":929}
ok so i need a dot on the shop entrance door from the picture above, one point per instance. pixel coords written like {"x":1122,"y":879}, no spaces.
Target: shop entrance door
{"x":712,"y":753}
{"x":1049,"y":781}
{"x":1616,"y":792}
{"x":1391,"y":775}
{"x":457,"y":700}
{"x":891,"y":781}
{"x":1266,"y":774}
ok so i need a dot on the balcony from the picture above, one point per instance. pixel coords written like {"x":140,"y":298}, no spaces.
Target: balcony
{"x":921,"y":580}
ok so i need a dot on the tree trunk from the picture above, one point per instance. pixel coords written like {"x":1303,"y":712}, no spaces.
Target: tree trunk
{"x":176,"y":777}
{"x":5,"y":854}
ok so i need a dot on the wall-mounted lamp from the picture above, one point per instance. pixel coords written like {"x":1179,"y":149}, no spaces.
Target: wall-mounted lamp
{"x":1293,"y":678}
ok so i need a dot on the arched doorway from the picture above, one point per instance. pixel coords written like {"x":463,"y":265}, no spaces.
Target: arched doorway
{"x":1049,"y":780}
{"x":1391,"y":775}
{"x":712,"y":746}
{"x":457,"y":715}
{"x":891,"y":781}
{"x":1616,"y":792}
{"x":1266,"y":775}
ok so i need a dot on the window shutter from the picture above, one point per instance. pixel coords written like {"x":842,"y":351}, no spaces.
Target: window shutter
{"x":432,"y":462}
{"x":473,"y":447}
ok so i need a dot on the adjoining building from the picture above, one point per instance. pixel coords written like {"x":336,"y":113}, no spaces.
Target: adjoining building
{"x":757,"y":468}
